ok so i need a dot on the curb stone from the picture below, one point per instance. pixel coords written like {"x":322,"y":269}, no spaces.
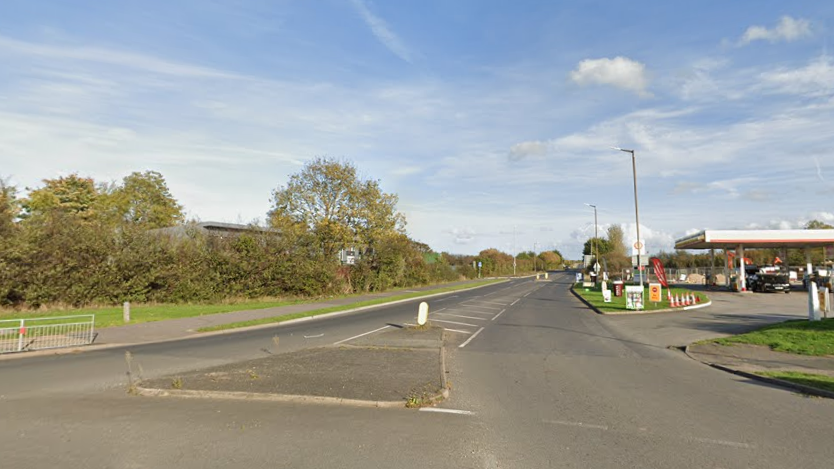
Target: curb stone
{"x":812,"y":391}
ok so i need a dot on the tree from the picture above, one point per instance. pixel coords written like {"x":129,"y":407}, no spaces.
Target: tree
{"x":328,"y":201}
{"x":597,"y":246}
{"x":616,"y":257}
{"x":144,"y":199}
{"x":551,"y":260}
{"x":72,"y":194}
{"x":9,"y":208}
{"x":818,"y":225}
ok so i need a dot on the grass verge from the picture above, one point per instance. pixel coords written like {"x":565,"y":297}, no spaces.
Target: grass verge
{"x":823,"y":382}
{"x":112,"y":316}
{"x":593,"y":295}
{"x":333,"y":309}
{"x":802,"y":337}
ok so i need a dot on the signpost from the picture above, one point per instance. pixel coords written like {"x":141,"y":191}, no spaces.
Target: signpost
{"x":479,"y":269}
{"x":634,"y":297}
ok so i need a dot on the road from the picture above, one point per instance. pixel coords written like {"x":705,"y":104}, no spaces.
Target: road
{"x":545,"y":383}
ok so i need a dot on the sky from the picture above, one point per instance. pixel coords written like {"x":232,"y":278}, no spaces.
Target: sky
{"x":493,"y":121}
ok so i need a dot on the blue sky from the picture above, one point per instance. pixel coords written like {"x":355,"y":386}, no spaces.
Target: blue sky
{"x":486,"y":117}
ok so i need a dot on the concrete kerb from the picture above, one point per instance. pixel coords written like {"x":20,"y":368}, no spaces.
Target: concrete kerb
{"x":92,"y":348}
{"x":643,"y":311}
{"x":811,"y":391}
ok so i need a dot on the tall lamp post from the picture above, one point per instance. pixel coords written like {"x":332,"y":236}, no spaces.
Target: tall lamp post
{"x":594,"y":246}
{"x":636,"y":213}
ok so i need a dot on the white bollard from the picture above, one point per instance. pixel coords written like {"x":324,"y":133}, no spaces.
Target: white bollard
{"x":423,"y":313}
{"x":126,"y":311}
{"x":813,"y":302}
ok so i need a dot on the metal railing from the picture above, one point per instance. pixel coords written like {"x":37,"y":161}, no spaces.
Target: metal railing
{"x":21,"y":335}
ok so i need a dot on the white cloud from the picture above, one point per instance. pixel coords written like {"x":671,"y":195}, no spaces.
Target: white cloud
{"x":524,"y":149}
{"x":464,"y":235}
{"x":814,"y":79}
{"x":382,"y":32}
{"x":788,"y":29}
{"x":620,"y":72}
{"x":406,"y":170}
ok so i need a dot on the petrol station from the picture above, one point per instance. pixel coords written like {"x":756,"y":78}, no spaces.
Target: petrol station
{"x":734,"y":242}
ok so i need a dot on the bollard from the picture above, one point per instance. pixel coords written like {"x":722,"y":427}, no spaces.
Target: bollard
{"x":423,"y":313}
{"x":813,"y":302}
{"x":126,"y":311}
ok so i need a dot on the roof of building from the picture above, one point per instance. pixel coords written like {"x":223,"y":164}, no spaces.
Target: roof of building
{"x":729,"y":239}
{"x":214,"y":227}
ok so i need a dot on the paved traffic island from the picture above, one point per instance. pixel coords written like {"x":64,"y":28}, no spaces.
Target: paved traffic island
{"x":403,"y":367}
{"x":794,"y":354}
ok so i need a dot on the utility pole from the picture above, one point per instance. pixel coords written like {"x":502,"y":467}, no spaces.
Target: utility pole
{"x":514,"y":249}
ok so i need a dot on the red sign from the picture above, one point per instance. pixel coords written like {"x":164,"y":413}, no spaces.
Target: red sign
{"x":659,"y":272}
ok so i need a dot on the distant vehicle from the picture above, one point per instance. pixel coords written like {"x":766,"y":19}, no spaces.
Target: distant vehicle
{"x":767,"y":279}
{"x":821,"y":277}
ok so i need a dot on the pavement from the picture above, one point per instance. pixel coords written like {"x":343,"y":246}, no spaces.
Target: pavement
{"x":396,"y":367}
{"x":173,"y":329}
{"x":756,"y":358}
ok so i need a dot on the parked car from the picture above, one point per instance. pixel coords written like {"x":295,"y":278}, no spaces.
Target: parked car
{"x":766,"y":280}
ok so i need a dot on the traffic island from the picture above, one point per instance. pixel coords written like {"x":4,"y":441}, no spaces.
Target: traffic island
{"x":397,"y":368}
{"x":672,"y":299}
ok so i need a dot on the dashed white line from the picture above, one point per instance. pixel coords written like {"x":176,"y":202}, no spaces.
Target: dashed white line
{"x":453,"y":322}
{"x":479,"y":306}
{"x":313,"y":336}
{"x":489,"y":302}
{"x":447,"y":298}
{"x":734,"y":444}
{"x":525,"y":295}
{"x":358,"y":336}
{"x":446,"y":411}
{"x":577,"y":424}
{"x":514,"y":302}
{"x":456,"y":330}
{"x":470,"y":338}
{"x":459,"y":316}
{"x":499,"y":314}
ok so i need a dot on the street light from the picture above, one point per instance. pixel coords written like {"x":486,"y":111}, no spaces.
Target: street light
{"x":594,"y":246}
{"x":636,"y":213}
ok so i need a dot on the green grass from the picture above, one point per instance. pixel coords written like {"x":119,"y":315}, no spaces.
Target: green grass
{"x":112,"y":316}
{"x":618,"y":304}
{"x":802,"y":337}
{"x":333,"y":309}
{"x":815,"y":381}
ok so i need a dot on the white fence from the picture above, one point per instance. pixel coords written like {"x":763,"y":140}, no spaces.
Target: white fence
{"x":20,"y":335}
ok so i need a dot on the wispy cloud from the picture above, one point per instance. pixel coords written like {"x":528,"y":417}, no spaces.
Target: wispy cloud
{"x":382,"y":31}
{"x":620,"y":72}
{"x":788,"y":29}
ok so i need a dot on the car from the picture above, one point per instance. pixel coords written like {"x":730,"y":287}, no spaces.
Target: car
{"x":769,"y":280}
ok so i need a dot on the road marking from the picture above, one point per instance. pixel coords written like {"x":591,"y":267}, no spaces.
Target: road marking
{"x":459,"y":316}
{"x":313,"y":336}
{"x":360,"y":335}
{"x":577,"y":424}
{"x":490,"y":302}
{"x":479,"y":306}
{"x":446,"y":411}
{"x":734,"y":444}
{"x":496,"y":316}
{"x":456,"y":330}
{"x":470,"y":338}
{"x":453,"y":322}
{"x":439,"y":310}
{"x":447,"y":298}
{"x":514,"y":302}
{"x":525,"y":295}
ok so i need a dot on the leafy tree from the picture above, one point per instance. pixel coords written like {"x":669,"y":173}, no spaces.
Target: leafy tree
{"x":818,"y":225}
{"x":599,"y":246}
{"x":72,"y":194}
{"x":330,"y":202}
{"x":9,"y":208}
{"x":550,"y":259}
{"x":616,"y":257}
{"x":144,"y":199}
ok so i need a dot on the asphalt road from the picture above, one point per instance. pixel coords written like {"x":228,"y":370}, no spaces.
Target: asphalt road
{"x":540,"y":382}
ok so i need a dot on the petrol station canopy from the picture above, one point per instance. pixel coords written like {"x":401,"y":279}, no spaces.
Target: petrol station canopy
{"x":731,"y":239}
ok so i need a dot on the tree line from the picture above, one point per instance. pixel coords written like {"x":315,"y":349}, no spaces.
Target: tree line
{"x":75,"y":241}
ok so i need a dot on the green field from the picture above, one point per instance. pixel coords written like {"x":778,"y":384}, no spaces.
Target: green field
{"x":112,"y":316}
{"x":802,"y":337}
{"x":333,"y":309}
{"x":618,"y":304}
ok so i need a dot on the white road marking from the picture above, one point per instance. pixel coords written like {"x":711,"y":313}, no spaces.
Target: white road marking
{"x":577,"y":424}
{"x":439,"y":310}
{"x":456,"y":330}
{"x":489,"y":302}
{"x":514,"y":302}
{"x":313,"y":336}
{"x":453,"y":322}
{"x":459,"y":316}
{"x":447,"y":298}
{"x":470,"y":338}
{"x":479,"y":306}
{"x":525,"y":295}
{"x":496,"y":316}
{"x":734,"y":444}
{"x":446,"y":411}
{"x":360,"y":335}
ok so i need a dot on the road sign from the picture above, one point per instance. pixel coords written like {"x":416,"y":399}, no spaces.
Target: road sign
{"x":638,"y":245}
{"x":479,"y":264}
{"x":655,"y":292}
